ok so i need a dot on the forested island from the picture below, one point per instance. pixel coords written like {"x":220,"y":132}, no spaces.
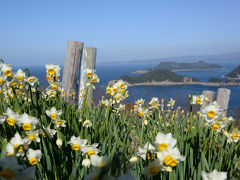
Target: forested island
{"x":234,"y":74}
{"x":167,"y":77}
{"x":174,"y":66}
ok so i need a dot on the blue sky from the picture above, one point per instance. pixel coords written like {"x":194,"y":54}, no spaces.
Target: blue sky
{"x":36,"y":32}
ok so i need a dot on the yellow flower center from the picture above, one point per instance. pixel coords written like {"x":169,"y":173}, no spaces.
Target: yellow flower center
{"x":109,"y":90}
{"x":8,"y":73}
{"x":123,"y":91}
{"x":7,"y":173}
{"x":59,"y":123}
{"x":91,"y":152}
{"x":153,"y":171}
{"x":215,"y":126}
{"x":50,"y":71}
{"x":44,"y":134}
{"x":174,"y":163}
{"x":90,"y":74}
{"x":198,"y":101}
{"x":115,"y":90}
{"x":1,"y":82}
{"x":141,"y":114}
{"x":168,"y":160}
{"x":32,"y":137}
{"x":121,"y":86}
{"x":27,"y":126}
{"x":53,"y":115}
{"x":20,"y":78}
{"x":9,"y":154}
{"x":16,"y":146}
{"x":211,"y":114}
{"x":76,"y":147}
{"x":149,"y":155}
{"x":162,"y":146}
{"x":94,"y":79}
{"x":33,"y":161}
{"x":51,"y":93}
{"x":31,"y":79}
{"x":48,"y":78}
{"x":103,"y":103}
{"x":10,"y":121}
{"x":118,"y":97}
{"x":235,"y":135}
{"x":55,"y":87}
{"x":122,"y":107}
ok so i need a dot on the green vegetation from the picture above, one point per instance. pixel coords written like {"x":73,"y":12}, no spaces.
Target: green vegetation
{"x":157,"y":75}
{"x":234,"y":73}
{"x":187,"y":66}
{"x":215,"y":80}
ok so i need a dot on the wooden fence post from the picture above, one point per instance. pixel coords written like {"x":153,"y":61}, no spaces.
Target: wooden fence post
{"x":223,"y":97}
{"x":71,"y":66}
{"x":88,"y":62}
{"x":209,"y":94}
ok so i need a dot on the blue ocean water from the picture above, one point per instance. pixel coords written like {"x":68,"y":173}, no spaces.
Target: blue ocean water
{"x":177,"y":92}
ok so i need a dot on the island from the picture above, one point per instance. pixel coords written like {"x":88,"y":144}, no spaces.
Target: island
{"x":174,"y":66}
{"x":167,"y":77}
{"x":234,"y":74}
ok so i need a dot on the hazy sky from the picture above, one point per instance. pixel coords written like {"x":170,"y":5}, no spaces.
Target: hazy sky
{"x":36,"y":32}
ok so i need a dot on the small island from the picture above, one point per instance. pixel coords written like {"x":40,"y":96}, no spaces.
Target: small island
{"x":174,"y":66}
{"x":234,"y":74}
{"x":167,"y":77}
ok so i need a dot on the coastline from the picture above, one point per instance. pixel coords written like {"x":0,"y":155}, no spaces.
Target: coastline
{"x":170,"y":83}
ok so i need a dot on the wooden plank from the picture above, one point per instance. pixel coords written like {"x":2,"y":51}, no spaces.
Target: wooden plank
{"x":71,"y":66}
{"x":209,"y":94}
{"x":223,"y":96}
{"x":88,"y":62}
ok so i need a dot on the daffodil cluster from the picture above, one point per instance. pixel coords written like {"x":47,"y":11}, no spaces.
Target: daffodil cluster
{"x":117,"y":91}
{"x":163,"y":155}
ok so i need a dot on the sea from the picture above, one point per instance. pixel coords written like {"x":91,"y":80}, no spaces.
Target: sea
{"x":180,"y":93}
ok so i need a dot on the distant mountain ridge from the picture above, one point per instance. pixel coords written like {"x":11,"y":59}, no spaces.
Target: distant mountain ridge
{"x":233,"y":57}
{"x":174,"y":66}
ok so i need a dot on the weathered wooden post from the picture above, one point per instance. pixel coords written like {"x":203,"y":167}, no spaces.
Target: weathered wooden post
{"x":88,"y":62}
{"x":209,"y":94}
{"x":71,"y":66}
{"x":223,"y":97}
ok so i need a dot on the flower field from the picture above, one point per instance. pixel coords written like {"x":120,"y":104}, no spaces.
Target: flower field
{"x":44,"y":137}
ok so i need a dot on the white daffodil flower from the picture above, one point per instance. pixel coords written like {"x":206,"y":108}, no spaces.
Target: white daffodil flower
{"x":53,"y":69}
{"x":198,"y":99}
{"x":50,"y":132}
{"x":95,"y":78}
{"x":90,"y":149}
{"x":20,"y":75}
{"x":170,"y":157}
{"x":142,"y":112}
{"x":12,"y":117}
{"x":33,"y":135}
{"x":152,"y":169}
{"x":214,"y":175}
{"x":28,"y":122}
{"x":32,"y":80}
{"x":2,"y":79}
{"x":171,"y":103}
{"x":6,"y":69}
{"x":211,"y":112}
{"x":51,"y":93}
{"x":10,"y":169}
{"x":104,"y":102}
{"x":147,"y":151}
{"x":99,"y":161}
{"x":77,"y":143}
{"x":53,"y":113}
{"x":234,"y":136}
{"x":60,"y":123}
{"x":34,"y":156}
{"x":121,"y":107}
{"x":87,"y":123}
{"x":165,"y":141}
{"x":18,"y":144}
